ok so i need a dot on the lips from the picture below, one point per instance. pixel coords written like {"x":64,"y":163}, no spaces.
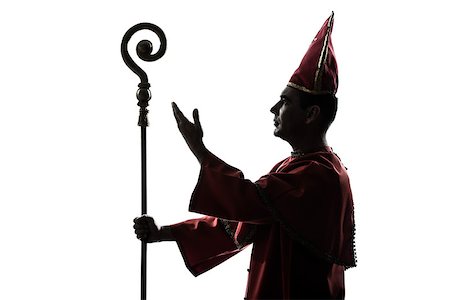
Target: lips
{"x":276,"y":123}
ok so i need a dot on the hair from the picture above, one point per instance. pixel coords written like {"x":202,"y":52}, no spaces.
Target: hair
{"x":328,"y":104}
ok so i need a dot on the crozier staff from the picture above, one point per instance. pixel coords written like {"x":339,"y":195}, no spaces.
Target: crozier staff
{"x":299,"y":216}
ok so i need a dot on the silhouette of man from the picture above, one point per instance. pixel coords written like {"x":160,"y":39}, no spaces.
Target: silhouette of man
{"x":298,"y":217}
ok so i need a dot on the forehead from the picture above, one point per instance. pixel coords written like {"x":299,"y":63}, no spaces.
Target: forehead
{"x":290,"y":93}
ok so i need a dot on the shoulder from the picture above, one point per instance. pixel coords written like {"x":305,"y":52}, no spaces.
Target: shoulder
{"x":319,"y":169}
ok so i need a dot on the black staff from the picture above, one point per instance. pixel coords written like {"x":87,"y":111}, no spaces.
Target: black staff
{"x":144,"y":50}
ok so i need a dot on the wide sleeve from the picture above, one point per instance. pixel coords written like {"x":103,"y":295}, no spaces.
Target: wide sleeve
{"x":223,"y":192}
{"x":205,"y":242}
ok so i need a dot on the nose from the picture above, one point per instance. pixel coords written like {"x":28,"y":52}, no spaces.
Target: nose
{"x":276,"y":108}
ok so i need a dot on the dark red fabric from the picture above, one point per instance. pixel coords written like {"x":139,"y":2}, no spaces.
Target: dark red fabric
{"x":308,"y":75}
{"x":303,"y":215}
{"x":203,"y":243}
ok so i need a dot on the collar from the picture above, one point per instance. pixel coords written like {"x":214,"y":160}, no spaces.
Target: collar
{"x":298,"y":153}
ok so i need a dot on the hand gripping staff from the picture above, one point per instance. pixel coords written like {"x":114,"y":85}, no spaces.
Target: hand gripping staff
{"x":144,"y":51}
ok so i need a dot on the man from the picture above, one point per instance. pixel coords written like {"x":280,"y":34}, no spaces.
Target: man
{"x":299,"y":217}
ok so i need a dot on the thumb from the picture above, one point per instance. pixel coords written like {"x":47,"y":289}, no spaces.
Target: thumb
{"x":197,"y":120}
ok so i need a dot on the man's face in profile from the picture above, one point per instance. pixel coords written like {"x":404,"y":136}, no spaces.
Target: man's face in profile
{"x":289,"y":117}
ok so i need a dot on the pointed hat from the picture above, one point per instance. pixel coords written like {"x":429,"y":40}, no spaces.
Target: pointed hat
{"x":318,"y":71}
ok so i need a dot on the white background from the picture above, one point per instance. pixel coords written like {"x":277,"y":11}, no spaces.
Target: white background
{"x":70,"y":164}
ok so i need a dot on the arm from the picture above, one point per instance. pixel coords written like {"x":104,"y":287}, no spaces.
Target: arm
{"x":222,"y":190}
{"x":204,"y":243}
{"x":166,"y":234}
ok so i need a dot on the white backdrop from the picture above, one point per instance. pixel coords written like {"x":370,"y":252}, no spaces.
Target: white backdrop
{"x":70,"y":164}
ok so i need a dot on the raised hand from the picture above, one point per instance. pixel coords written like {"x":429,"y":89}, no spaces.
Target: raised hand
{"x":191,"y":132}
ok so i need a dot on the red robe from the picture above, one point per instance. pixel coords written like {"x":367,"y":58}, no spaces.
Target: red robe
{"x":299,"y":218}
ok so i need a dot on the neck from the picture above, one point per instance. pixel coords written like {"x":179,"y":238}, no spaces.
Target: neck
{"x":309,"y":144}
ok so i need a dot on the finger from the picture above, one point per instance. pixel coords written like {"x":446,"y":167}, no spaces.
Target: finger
{"x":176,"y":111}
{"x":147,"y":218}
{"x":142,"y":218}
{"x":196,"y":117}
{"x":141,"y":231}
{"x":142,"y":237}
{"x":140,"y":222}
{"x":179,"y":116}
{"x":141,"y":226}
{"x":197,"y":123}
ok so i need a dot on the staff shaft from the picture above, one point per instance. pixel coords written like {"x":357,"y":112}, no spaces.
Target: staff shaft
{"x":144,"y":209}
{"x":144,"y":168}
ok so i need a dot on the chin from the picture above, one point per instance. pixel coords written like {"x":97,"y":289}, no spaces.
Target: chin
{"x":276,"y":133}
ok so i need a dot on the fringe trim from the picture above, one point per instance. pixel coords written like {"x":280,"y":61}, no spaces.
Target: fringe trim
{"x":355,"y":260}
{"x":231,"y":232}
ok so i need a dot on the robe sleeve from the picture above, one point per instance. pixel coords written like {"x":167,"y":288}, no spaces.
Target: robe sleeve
{"x":223,"y":192}
{"x":205,"y":243}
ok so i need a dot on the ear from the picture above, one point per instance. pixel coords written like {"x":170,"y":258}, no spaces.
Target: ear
{"x":312,"y":114}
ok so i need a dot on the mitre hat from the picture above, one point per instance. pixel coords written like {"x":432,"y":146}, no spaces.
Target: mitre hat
{"x":318,"y":71}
